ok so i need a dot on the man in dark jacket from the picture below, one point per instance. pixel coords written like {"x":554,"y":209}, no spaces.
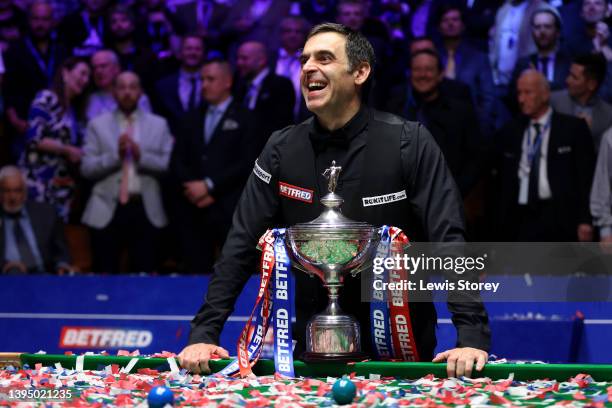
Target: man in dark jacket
{"x":416,"y":186}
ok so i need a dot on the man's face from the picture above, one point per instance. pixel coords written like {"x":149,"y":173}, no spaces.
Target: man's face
{"x":451,"y":25}
{"x":351,"y":15}
{"x":532,"y":97}
{"x":41,"y":20}
{"x":544,"y":30}
{"x":12,"y":194}
{"x":577,"y":83}
{"x":594,"y":11}
{"x":325,"y":78}
{"x":104,"y":69}
{"x":250,"y":60}
{"x":192,"y":52}
{"x":127,"y":91}
{"x":216,"y":84}
{"x":292,"y":35}
{"x":425,"y":74}
{"x":121,"y":26}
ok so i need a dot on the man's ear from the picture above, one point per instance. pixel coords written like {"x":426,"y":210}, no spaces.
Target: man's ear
{"x":362,"y":73}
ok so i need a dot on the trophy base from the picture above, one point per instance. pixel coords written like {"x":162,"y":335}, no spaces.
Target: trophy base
{"x":312,"y":357}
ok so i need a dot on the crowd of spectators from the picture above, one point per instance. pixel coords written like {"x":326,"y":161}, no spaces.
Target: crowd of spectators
{"x":129,"y":127}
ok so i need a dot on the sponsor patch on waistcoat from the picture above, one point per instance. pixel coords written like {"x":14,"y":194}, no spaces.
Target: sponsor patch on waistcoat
{"x":384,"y":199}
{"x":295,"y":192}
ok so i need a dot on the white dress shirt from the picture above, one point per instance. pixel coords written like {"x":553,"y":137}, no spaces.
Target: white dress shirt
{"x":544,"y":192}
{"x":254,"y":88}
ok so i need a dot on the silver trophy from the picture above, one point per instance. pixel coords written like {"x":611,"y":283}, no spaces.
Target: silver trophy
{"x":330,"y":247}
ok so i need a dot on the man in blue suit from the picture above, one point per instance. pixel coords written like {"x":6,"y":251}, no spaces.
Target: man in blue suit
{"x":467,"y":64}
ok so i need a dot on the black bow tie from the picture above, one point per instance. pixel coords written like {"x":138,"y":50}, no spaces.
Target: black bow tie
{"x":323,"y":141}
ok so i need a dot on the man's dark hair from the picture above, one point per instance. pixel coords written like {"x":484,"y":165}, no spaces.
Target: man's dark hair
{"x":431,"y":53}
{"x":446,"y":8}
{"x":123,"y":10}
{"x":358,"y":48}
{"x":594,"y":66}
{"x":223,"y":62}
{"x":550,"y":11}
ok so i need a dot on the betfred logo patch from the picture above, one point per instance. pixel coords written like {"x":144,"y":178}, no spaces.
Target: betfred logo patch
{"x":295,"y":192}
{"x":102,"y":338}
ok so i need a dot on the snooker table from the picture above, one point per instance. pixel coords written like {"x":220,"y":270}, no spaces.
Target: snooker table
{"x":102,"y":383}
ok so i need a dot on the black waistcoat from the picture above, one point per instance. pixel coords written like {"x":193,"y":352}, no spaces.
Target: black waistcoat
{"x":381,"y":175}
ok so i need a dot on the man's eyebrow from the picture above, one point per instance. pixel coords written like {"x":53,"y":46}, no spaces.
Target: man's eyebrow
{"x":318,"y":54}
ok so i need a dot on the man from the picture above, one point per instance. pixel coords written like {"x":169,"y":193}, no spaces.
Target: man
{"x":204,"y":17}
{"x":179,"y":93}
{"x":286,"y":61}
{"x":591,"y":33}
{"x":30,"y":66}
{"x":211,"y":162}
{"x":511,"y":38}
{"x":580,"y":99}
{"x":549,"y":59}
{"x":255,"y":20}
{"x":545,"y":165}
{"x":125,"y":153}
{"x":270,"y":97}
{"x":84,"y":32}
{"x":452,"y":122}
{"x":132,"y":57}
{"x":32,"y":238}
{"x":466,"y":64}
{"x":344,"y":130}
{"x":105,"y":66}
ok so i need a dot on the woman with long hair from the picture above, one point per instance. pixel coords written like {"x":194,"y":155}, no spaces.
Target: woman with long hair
{"x":53,"y":141}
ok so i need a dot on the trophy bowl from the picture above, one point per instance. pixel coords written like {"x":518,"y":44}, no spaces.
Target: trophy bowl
{"x":330,"y":247}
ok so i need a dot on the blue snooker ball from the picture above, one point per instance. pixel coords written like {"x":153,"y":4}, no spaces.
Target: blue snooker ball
{"x":160,"y":396}
{"x":344,"y":391}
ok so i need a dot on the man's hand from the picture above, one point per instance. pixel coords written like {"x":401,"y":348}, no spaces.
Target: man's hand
{"x":195,"y":190}
{"x":72,"y":153}
{"x":605,"y":243}
{"x":205,"y":201}
{"x":195,"y":357}
{"x":126,"y":143}
{"x":14,"y":268}
{"x":585,"y":233}
{"x":460,"y":361}
{"x":19,"y":124}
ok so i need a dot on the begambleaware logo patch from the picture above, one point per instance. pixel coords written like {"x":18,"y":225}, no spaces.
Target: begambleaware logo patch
{"x":384,"y":199}
{"x":295,"y":192}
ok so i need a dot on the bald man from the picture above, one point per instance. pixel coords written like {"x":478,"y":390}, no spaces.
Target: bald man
{"x":270,"y":97}
{"x":211,"y":162}
{"x":125,"y":153}
{"x":106,"y":67}
{"x":546,"y":162}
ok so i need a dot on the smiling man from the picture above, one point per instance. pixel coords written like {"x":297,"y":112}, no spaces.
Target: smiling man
{"x":336,"y":65}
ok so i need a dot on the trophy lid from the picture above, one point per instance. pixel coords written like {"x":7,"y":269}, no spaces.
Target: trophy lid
{"x":332,"y":224}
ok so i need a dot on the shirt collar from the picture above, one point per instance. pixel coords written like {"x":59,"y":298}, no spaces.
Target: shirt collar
{"x":187,"y":76}
{"x":543,"y":120}
{"x":346,"y":133}
{"x":222,"y":107}
{"x":260,"y":77}
{"x":134,"y":114}
{"x":21,"y":214}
